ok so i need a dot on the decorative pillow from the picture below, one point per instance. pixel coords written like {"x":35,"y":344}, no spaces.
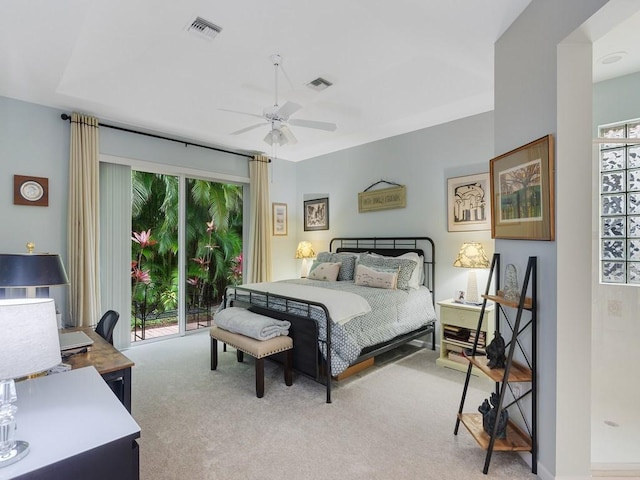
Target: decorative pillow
{"x":417,"y":276}
{"x":327,"y":271}
{"x":406,"y":267}
{"x":376,"y":277}
{"x":348,"y":261}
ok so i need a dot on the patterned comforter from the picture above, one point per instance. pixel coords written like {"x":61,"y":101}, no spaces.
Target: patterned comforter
{"x":393,"y":313}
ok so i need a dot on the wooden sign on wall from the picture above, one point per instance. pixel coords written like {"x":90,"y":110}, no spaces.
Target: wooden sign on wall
{"x":382,"y":199}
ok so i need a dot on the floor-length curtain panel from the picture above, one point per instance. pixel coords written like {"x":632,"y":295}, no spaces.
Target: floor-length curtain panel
{"x":83,"y":242}
{"x":259,"y":228}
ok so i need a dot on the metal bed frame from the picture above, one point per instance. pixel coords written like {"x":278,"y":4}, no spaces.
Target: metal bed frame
{"x":304,"y":329}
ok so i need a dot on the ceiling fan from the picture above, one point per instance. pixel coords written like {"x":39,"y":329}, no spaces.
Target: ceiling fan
{"x":277,"y":116}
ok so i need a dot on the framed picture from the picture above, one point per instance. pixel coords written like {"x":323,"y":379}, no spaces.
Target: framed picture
{"x":468,"y":203}
{"x":522,"y":192}
{"x":316,"y":214}
{"x":279,"y":217}
{"x":30,"y":191}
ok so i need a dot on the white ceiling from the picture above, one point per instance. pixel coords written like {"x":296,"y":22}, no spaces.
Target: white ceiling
{"x":396,"y":66}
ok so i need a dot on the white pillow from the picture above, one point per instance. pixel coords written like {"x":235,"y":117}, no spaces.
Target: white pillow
{"x":418,"y":273}
{"x":326,"y":271}
{"x":376,"y":277}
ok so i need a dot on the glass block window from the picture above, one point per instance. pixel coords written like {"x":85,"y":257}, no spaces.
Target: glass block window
{"x":620,"y":204}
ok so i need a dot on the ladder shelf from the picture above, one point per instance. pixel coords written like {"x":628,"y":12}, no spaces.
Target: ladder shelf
{"x":517,"y":438}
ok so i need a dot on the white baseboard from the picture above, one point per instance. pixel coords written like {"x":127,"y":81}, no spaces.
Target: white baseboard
{"x":615,"y":470}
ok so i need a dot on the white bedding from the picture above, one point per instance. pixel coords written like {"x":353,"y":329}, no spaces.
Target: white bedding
{"x":342,"y":306}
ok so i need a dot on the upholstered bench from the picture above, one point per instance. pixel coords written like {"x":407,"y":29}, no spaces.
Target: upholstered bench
{"x":258,"y":349}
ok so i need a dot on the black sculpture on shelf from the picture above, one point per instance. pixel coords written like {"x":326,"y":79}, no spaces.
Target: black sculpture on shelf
{"x":495,"y":352}
{"x":489,"y":417}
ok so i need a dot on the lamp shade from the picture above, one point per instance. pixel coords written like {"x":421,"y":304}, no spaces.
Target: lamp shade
{"x":471,"y":255}
{"x":305,"y":250}
{"x":29,"y":341}
{"x":22,"y":270}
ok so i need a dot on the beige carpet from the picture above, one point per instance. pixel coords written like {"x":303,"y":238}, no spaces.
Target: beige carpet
{"x":393,"y":421}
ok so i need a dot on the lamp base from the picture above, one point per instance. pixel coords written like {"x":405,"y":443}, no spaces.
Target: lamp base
{"x":306,"y":266}
{"x":19,"y":450}
{"x":472,"y":289}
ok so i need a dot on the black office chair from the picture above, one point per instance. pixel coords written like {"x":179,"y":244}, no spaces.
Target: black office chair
{"x":106,"y":325}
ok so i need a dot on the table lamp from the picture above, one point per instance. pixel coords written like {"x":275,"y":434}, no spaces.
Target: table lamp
{"x":31,"y":270}
{"x":29,"y":344}
{"x":472,"y":256}
{"x":305,"y":251}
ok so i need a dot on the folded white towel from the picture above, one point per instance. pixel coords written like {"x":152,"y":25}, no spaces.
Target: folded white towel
{"x":242,"y":321}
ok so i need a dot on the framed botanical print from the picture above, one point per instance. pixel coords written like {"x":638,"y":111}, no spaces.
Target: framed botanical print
{"x":316,"y":214}
{"x":468,"y":206}
{"x":279,"y":218}
{"x":522,"y":192}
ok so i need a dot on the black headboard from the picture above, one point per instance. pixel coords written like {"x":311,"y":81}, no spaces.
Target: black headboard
{"x":392,"y":247}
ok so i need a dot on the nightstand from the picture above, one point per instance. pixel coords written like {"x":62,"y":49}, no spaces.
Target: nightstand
{"x":458,"y":324}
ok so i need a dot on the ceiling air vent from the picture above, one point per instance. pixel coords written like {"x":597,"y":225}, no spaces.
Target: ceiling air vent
{"x":319,"y":84}
{"x":204,"y":28}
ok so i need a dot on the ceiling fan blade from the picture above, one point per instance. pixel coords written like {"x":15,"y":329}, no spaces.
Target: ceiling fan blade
{"x":288,"y":134}
{"x":289,"y":108}
{"x":246,"y":129}
{"x":241,"y":113}
{"x":330,"y":127}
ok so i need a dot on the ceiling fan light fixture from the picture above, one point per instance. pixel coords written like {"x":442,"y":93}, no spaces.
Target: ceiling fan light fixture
{"x":275,"y":137}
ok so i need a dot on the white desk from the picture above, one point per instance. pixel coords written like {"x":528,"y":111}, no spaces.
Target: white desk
{"x":76,"y":428}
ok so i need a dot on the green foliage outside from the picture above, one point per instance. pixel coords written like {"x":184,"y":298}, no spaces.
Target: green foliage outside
{"x":213,"y":245}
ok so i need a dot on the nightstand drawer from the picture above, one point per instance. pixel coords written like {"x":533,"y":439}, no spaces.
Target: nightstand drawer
{"x":460,"y":317}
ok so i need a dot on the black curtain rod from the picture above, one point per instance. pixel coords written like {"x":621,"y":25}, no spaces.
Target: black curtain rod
{"x":64,"y":116}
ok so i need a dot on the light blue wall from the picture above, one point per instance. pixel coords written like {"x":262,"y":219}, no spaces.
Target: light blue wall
{"x":421,"y":160}
{"x":616,"y":100}
{"x":165,"y":152}
{"x":282,"y":189}
{"x":34,"y":141}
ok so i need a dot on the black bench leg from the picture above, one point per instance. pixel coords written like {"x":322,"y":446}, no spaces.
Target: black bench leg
{"x":214,"y":353}
{"x":259,"y":377}
{"x":240,"y":356}
{"x":288,"y":367}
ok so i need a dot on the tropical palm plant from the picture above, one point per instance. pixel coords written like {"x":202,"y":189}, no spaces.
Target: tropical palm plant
{"x":213,"y":235}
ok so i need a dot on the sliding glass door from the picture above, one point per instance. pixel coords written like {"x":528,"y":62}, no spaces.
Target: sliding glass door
{"x":214,"y":247}
{"x":186,"y":247}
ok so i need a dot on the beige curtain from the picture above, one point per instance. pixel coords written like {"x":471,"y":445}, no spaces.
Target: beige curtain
{"x":83,"y":243}
{"x":260,"y":226}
